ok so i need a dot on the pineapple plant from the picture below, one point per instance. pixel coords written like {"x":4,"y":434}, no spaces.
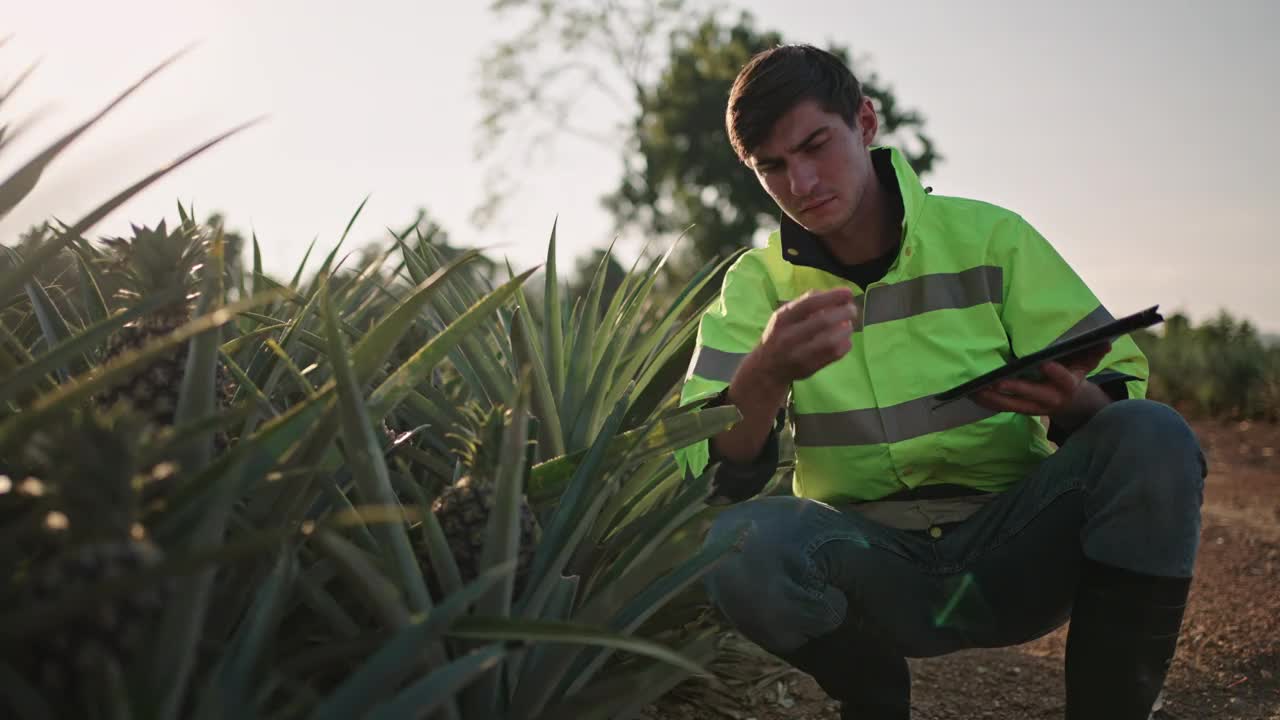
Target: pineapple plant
{"x":154,"y":261}
{"x":88,"y":534}
{"x":463,"y":508}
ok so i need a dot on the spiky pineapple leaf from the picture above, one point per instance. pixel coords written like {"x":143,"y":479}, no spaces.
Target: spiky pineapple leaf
{"x":24,"y":378}
{"x":197,"y":394}
{"x":398,"y":656}
{"x":502,"y":535}
{"x":84,"y":386}
{"x":554,"y":348}
{"x":625,"y":694}
{"x":23,"y":699}
{"x":638,"y":607}
{"x":13,"y":278}
{"x":553,"y":631}
{"x":376,"y":346}
{"x":379,"y":593}
{"x":90,"y":294}
{"x":18,"y":185}
{"x":434,"y":690}
{"x":664,"y":435}
{"x":230,"y":692}
{"x":402,"y":382}
{"x":551,"y":435}
{"x":367,"y":465}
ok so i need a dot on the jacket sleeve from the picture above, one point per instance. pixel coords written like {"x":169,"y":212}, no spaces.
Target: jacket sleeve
{"x":728,"y":330}
{"x":1045,"y":301}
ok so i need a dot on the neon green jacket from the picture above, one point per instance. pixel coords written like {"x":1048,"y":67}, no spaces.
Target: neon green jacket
{"x":972,"y":286}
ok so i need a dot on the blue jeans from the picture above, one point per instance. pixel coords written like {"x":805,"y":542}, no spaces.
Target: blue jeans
{"x":1124,"y":490}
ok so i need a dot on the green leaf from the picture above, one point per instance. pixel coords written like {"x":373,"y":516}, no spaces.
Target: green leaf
{"x":554,"y":350}
{"x":367,"y":466}
{"x":83,"y":387}
{"x":13,"y":278}
{"x":643,"y":605}
{"x":297,"y":275}
{"x":197,"y":395}
{"x":548,"y":480}
{"x":439,"y":556}
{"x":401,"y":383}
{"x":26,"y":377}
{"x":90,"y":295}
{"x":231,"y":347}
{"x":382,"y":672}
{"x":531,"y":631}
{"x":626,"y":694}
{"x":235,"y":678}
{"x":379,"y":593}
{"x":551,"y":435}
{"x":24,"y":179}
{"x":24,"y":700}
{"x":502,"y":534}
{"x":377,"y":345}
{"x":431,"y":692}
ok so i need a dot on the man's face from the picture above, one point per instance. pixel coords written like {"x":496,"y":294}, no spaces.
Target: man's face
{"x":815,"y":166}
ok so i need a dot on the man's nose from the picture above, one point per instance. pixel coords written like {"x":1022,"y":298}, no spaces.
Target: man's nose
{"x":803,"y":178}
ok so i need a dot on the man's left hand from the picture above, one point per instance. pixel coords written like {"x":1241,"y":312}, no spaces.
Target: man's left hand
{"x":1061,"y":392}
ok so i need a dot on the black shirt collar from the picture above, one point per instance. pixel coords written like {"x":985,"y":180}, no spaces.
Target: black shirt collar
{"x":801,"y":247}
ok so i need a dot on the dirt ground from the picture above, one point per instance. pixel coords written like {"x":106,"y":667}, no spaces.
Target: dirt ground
{"x":1228,"y":661}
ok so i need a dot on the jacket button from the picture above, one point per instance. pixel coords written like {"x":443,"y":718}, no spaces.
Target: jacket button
{"x":935,"y":532}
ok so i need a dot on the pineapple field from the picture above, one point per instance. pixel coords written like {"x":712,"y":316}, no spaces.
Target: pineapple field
{"x":406,"y":484}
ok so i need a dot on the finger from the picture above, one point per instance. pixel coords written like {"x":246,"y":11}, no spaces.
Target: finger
{"x":1043,"y":394}
{"x":998,"y":402}
{"x":1067,"y":379}
{"x":820,"y":322}
{"x":821,"y":350}
{"x":813,"y":302}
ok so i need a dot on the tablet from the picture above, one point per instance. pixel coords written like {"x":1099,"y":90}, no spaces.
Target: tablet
{"x":1027,"y":367}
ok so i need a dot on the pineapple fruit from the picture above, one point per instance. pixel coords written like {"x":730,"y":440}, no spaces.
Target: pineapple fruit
{"x":463,"y":508}
{"x":154,"y":261}
{"x":88,"y":533}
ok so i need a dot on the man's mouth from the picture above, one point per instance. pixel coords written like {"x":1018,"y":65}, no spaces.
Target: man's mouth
{"x":818,"y":203}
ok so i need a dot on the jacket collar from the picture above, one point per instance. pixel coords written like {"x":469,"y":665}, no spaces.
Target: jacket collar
{"x":801,"y":247}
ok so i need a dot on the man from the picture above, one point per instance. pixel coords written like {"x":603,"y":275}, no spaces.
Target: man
{"x":915,"y":531}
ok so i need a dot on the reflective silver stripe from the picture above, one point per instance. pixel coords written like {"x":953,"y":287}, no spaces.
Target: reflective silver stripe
{"x":1096,"y":319}
{"x":713,"y":364}
{"x":939,"y":291}
{"x":871,"y":426}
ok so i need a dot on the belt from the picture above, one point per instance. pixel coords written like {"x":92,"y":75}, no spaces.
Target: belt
{"x":923,"y":508}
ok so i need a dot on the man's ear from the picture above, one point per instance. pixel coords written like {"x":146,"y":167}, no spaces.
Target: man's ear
{"x":868,"y":121}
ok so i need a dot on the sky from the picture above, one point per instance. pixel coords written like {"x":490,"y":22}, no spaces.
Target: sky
{"x":1139,"y":137}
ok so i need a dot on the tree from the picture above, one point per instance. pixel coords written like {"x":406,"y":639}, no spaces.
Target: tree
{"x":665,"y":71}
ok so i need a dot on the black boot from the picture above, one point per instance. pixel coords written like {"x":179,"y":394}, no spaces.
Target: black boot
{"x":1124,"y":630}
{"x":869,"y":682}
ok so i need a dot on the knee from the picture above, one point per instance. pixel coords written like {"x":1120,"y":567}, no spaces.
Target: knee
{"x":1150,"y":433}
{"x":1154,"y":450}
{"x":763,"y":584}
{"x":754,"y":531}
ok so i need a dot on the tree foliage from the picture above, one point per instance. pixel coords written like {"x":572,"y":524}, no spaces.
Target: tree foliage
{"x":680,"y":169}
{"x":662,"y":69}
{"x":1220,"y":368}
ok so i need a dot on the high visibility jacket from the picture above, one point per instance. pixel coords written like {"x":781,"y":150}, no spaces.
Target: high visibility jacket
{"x":973,"y":285}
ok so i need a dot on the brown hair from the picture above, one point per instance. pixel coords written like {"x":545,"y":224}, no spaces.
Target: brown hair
{"x":774,"y":81}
